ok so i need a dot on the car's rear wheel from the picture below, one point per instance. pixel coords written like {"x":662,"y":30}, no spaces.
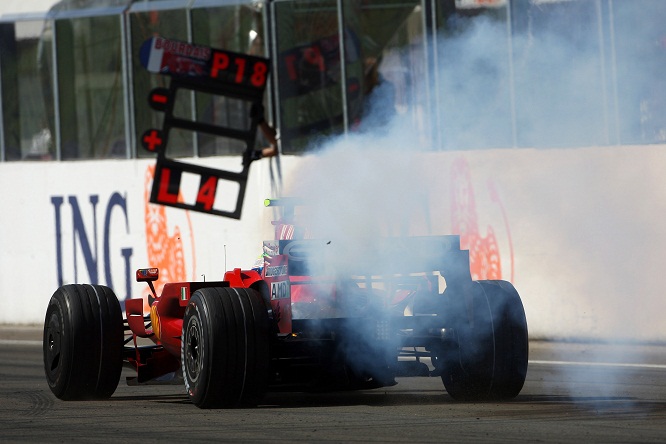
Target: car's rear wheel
{"x":83,"y":342}
{"x":225,"y":348}
{"x":490,"y":360}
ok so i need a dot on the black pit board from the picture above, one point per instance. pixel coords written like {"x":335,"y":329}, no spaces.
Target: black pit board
{"x":213,"y":71}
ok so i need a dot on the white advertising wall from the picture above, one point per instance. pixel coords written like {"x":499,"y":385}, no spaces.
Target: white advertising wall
{"x":579,"y":232}
{"x":89,"y":222}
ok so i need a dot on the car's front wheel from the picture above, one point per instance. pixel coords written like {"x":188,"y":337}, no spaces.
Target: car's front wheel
{"x":83,"y":342}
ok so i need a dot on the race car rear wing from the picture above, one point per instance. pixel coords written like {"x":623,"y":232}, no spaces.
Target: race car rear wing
{"x":387,"y":256}
{"x":216,"y":72}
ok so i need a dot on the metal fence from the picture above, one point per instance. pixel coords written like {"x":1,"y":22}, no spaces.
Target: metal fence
{"x":459,"y":74}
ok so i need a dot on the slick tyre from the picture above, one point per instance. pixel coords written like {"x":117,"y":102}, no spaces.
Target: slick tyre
{"x":83,"y":342}
{"x":225,"y":348}
{"x":490,"y":360}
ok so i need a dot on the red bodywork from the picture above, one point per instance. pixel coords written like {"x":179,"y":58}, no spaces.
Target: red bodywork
{"x":288,"y":289}
{"x":168,"y":309}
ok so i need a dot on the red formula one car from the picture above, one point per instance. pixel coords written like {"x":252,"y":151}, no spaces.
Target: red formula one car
{"x":293,"y":324}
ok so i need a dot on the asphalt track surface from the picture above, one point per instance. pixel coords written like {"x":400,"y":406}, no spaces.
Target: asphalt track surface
{"x":573,"y":393}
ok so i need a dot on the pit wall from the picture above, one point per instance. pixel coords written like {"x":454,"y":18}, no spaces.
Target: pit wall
{"x":579,"y":232}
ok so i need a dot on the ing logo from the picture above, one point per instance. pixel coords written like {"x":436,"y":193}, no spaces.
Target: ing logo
{"x":170,"y":242}
{"x":484,"y":253}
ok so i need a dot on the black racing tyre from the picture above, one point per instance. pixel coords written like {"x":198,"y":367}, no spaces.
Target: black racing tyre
{"x":490,"y":361}
{"x":83,"y":342}
{"x":225,"y":348}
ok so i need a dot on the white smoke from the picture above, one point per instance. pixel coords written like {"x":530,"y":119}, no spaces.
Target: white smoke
{"x":364,"y":186}
{"x":557,"y":91}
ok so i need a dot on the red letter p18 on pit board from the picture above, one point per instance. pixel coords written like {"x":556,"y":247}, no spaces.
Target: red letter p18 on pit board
{"x":170,"y":57}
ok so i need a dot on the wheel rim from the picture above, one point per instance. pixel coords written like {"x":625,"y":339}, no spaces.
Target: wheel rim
{"x":53,"y":346}
{"x":193,"y":349}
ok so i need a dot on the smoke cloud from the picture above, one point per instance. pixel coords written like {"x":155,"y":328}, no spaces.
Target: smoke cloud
{"x":571,"y":82}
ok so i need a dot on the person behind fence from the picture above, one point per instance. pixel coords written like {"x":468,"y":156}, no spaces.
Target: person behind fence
{"x":269,"y":133}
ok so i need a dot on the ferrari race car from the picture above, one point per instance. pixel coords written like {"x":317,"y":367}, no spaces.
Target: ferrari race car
{"x":294,"y":323}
